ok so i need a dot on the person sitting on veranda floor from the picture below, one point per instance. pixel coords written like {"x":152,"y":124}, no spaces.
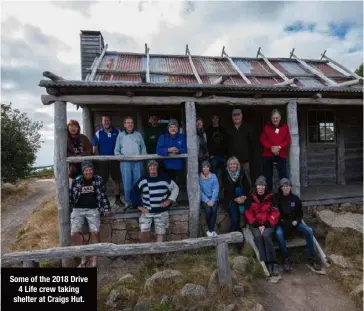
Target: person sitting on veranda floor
{"x":262,"y":215}
{"x":87,"y":200}
{"x":153,"y":195}
{"x":290,"y":207}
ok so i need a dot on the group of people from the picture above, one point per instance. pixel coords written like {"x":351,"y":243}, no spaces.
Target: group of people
{"x":224,"y":157}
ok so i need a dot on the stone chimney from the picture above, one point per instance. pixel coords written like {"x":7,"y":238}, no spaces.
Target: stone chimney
{"x":92,"y":44}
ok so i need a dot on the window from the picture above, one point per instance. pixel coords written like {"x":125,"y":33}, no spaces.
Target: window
{"x":321,"y":127}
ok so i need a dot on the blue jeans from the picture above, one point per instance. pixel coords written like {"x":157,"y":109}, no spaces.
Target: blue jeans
{"x":268,"y":169}
{"x":130,"y":174}
{"x":218,"y":162}
{"x":302,"y":228}
{"x":236,"y":211}
{"x":210,"y":213}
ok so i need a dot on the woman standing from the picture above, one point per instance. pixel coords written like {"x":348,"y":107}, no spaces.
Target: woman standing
{"x":77,"y":145}
{"x":209,"y":196}
{"x":237,"y":187}
{"x":263,"y":215}
{"x":275,"y":139}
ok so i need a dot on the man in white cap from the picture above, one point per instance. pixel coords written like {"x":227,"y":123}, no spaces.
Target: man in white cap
{"x":153,"y":194}
{"x":240,"y":140}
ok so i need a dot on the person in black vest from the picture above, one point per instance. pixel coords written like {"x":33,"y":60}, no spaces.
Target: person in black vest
{"x":290,"y":207}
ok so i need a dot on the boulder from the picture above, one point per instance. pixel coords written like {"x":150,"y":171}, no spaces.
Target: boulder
{"x":127,"y":278}
{"x":193,"y":291}
{"x":341,"y":261}
{"x":143,"y":305}
{"x":357,"y":290}
{"x":240,"y":264}
{"x":114,"y":301}
{"x":342,"y":220}
{"x":213,"y":286}
{"x":238,"y":290}
{"x":257,"y":307}
{"x":165,"y":278}
{"x":231,"y":307}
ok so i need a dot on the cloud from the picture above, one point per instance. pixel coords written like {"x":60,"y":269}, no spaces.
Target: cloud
{"x":300,"y":26}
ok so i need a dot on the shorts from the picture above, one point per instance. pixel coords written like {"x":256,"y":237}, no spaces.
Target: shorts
{"x":107,"y":168}
{"x":79,"y":215}
{"x":161,"y":222}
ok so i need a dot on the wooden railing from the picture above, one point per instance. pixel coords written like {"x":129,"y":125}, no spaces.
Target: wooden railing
{"x":32,"y":258}
{"x":141,"y":157}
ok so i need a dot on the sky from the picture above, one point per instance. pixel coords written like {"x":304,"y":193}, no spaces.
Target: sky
{"x":48,"y":39}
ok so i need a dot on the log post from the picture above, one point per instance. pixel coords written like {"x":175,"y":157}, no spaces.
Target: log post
{"x":61,"y":172}
{"x":303,"y":147}
{"x":341,"y":180}
{"x":223,"y":266}
{"x":294,"y":150}
{"x":193,"y":185}
{"x":87,"y":123}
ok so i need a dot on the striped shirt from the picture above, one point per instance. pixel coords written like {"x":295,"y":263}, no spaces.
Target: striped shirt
{"x":150,"y":192}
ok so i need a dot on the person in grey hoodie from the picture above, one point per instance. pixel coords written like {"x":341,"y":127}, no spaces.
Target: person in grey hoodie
{"x":130,"y":143}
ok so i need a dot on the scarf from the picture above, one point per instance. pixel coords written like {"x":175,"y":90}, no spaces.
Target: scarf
{"x":234,"y":175}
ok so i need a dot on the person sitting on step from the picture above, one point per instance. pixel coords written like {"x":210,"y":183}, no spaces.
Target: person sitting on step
{"x":209,"y":196}
{"x":290,"y":207}
{"x":237,"y":186}
{"x":263,"y":215}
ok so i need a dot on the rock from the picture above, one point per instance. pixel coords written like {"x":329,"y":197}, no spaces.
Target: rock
{"x":165,"y":278}
{"x":231,"y":307}
{"x":114,"y":300}
{"x":257,"y":307}
{"x":127,"y":278}
{"x":357,"y":290}
{"x":296,"y":281}
{"x":238,"y":290}
{"x":275,"y":279}
{"x":164,"y":299}
{"x":119,"y":225}
{"x":342,"y":220}
{"x":193,"y":291}
{"x":143,"y":305}
{"x":213,"y":285}
{"x":240,"y":264}
{"x":341,"y":261}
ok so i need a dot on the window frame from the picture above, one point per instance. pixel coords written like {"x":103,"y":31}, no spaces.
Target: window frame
{"x":327,"y":143}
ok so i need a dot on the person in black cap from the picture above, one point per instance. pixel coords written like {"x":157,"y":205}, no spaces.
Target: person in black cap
{"x":290,"y":207}
{"x":87,"y":200}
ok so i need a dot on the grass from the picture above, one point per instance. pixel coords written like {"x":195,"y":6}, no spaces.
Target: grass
{"x":10,"y":194}
{"x":41,"y":231}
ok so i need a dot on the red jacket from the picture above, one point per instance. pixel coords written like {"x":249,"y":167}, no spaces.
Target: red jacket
{"x":262,"y":211}
{"x":270,"y":137}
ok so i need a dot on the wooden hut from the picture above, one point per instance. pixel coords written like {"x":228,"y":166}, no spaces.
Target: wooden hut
{"x":321,"y":100}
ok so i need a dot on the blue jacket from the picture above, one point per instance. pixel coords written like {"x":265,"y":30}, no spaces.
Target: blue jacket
{"x":209,"y":188}
{"x":166,"y":141}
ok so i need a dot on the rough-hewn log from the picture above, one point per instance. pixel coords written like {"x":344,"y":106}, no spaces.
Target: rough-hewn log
{"x":194,"y":70}
{"x":351,"y":82}
{"x":124,"y":158}
{"x":87,"y":123}
{"x":303,"y":148}
{"x":355,"y":75}
{"x":61,"y":172}
{"x":177,"y":100}
{"x":294,"y":150}
{"x":111,"y":250}
{"x":52,"y":76}
{"x":287,"y":82}
{"x":193,"y":185}
{"x":340,"y":155}
{"x":223,"y":266}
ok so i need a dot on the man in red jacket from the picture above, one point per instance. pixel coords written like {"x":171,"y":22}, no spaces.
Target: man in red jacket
{"x":262,"y":214}
{"x":275,"y":139}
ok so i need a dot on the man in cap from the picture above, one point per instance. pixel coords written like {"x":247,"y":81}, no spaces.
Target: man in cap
{"x":152,"y":133}
{"x":153,"y":194}
{"x":87,"y":200}
{"x":172,"y":143}
{"x":240,"y":141}
{"x":290,"y":207}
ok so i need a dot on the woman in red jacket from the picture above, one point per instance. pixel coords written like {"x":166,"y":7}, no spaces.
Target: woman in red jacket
{"x":275,"y":139}
{"x":262,"y":215}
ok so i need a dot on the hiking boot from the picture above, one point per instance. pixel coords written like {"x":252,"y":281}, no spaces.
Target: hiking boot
{"x":270,"y":269}
{"x":287,"y":264}
{"x":275,"y":269}
{"x":314,"y":263}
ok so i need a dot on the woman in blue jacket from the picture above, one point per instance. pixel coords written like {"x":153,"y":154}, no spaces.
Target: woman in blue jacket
{"x":209,"y":196}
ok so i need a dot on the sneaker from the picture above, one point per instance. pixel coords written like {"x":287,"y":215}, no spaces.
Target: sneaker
{"x":214,"y":233}
{"x":270,"y":269}
{"x":275,"y":269}
{"x":314,"y":263}
{"x":287,"y":264}
{"x":127,"y":206}
{"x":209,"y":234}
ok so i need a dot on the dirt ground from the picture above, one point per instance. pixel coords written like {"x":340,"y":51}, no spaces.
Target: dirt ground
{"x":16,"y":215}
{"x":303,"y":290}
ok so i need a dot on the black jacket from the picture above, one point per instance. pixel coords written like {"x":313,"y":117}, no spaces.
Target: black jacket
{"x":240,"y":142}
{"x":290,"y":208}
{"x":242,"y":182}
{"x":216,"y":141}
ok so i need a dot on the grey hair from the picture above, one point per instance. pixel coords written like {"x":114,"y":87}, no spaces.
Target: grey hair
{"x":274,"y":111}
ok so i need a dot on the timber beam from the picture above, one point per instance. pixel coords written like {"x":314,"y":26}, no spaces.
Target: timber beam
{"x":52,"y":76}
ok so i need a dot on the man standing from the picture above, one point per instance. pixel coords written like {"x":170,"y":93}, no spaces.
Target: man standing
{"x":240,"y":140}
{"x":152,"y":132}
{"x":171,"y":143}
{"x":130,"y":143}
{"x":104,"y":144}
{"x":153,"y":194}
{"x":87,"y":200}
{"x":216,"y":144}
